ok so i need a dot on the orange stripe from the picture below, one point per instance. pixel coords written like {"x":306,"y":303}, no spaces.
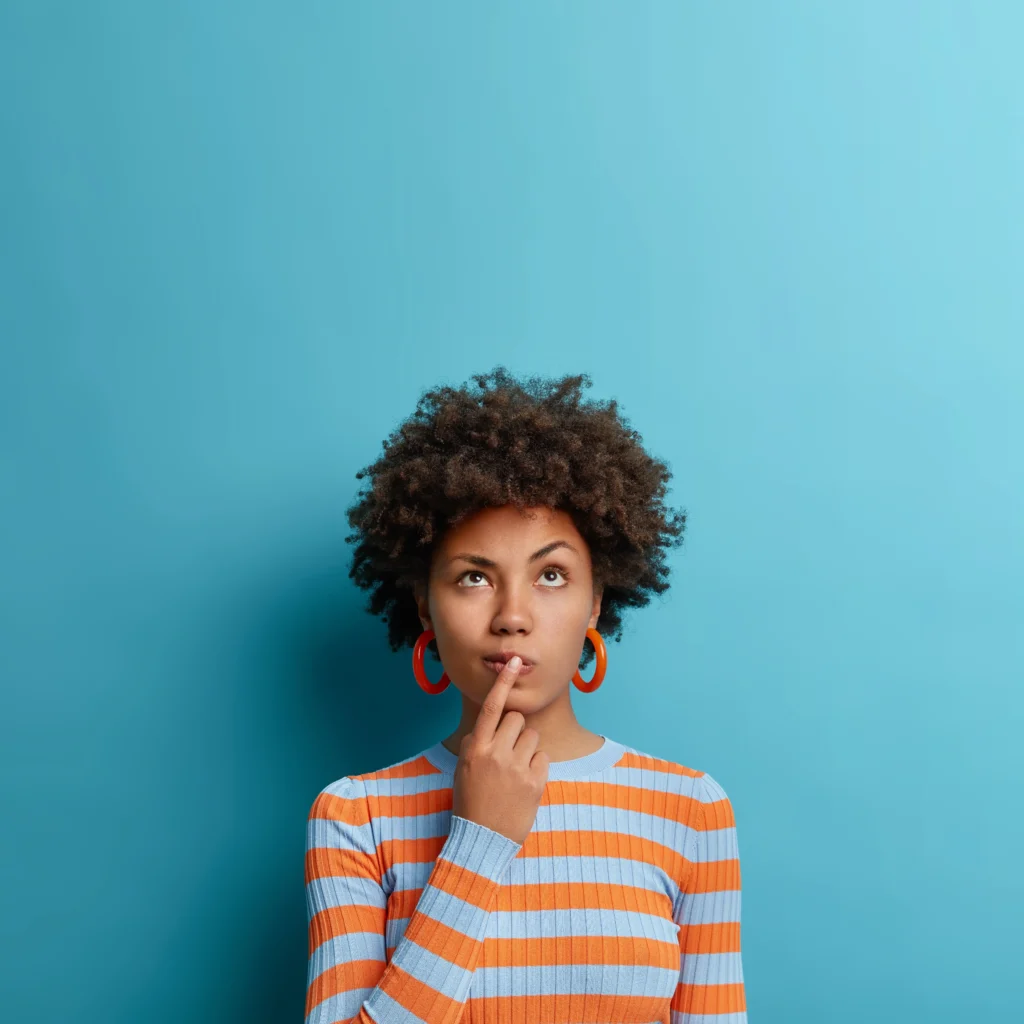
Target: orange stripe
{"x":342,"y":978}
{"x":464,"y":883}
{"x":409,"y":805}
{"x":718,"y":937}
{"x":721,"y":937}
{"x":655,"y":802}
{"x":444,"y":941}
{"x":725,"y":998}
{"x":567,"y":1009}
{"x":339,"y":808}
{"x":417,"y":997}
{"x":597,"y":843}
{"x":655,"y":764}
{"x":322,"y":861}
{"x":572,"y":843}
{"x":676,"y":807}
{"x":714,"y":876}
{"x":409,"y":770}
{"x":717,"y":814}
{"x":411,"y":851}
{"x":658,"y":804}
{"x":563,"y":949}
{"x":669,"y":806}
{"x":583,"y":896}
{"x":555,"y":896}
{"x":402,"y":902}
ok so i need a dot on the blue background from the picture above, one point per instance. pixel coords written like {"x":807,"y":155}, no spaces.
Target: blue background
{"x":239,"y":239}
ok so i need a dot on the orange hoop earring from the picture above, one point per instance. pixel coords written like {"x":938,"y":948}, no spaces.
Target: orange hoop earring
{"x":602,"y":663}
{"x":417,"y":665}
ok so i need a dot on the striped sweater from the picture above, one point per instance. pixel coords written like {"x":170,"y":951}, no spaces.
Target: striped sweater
{"x":622,"y":905}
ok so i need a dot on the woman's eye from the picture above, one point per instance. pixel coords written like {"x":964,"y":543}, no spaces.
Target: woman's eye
{"x":554,"y":572}
{"x":549,"y":577}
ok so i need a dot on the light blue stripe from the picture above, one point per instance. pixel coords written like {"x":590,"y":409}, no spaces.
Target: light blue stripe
{"x":478,"y":848}
{"x":634,"y":778}
{"x":331,"y":834}
{"x":440,"y":974}
{"x":714,"y":790}
{"x":630,"y":822}
{"x":650,"y":779}
{"x":674,"y":834}
{"x":715,"y":844}
{"x":408,"y":786}
{"x":343,"y":1006}
{"x":345,"y":788}
{"x":711,"y":969}
{"x":560,"y":922}
{"x":569,"y":979}
{"x":429,"y":825}
{"x":675,"y":1017}
{"x":453,"y":911}
{"x":557,"y":869}
{"x":343,"y":891}
{"x":523,"y":871}
{"x":328,"y":832}
{"x":555,"y":818}
{"x":711,"y":907}
{"x":350,"y":946}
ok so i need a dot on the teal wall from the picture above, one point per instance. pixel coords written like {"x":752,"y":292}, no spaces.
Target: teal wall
{"x":239,"y":239}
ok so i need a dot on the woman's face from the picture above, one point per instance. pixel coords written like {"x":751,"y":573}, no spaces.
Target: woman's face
{"x":505,"y":581}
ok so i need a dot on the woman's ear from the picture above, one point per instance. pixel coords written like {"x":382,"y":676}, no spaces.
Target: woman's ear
{"x":419,"y":591}
{"x":595,"y":612}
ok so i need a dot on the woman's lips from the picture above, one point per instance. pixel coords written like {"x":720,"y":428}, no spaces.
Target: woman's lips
{"x":497,"y":666}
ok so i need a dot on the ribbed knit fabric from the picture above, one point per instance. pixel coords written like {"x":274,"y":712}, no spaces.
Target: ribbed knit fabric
{"x":622,"y":905}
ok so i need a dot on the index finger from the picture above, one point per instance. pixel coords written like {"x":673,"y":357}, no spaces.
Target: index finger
{"x":494,"y":703}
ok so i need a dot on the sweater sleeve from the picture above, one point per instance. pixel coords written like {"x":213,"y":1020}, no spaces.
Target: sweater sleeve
{"x":707,"y":909}
{"x":349,"y":980}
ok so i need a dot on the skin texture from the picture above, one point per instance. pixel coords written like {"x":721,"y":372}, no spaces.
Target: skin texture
{"x":540,"y":608}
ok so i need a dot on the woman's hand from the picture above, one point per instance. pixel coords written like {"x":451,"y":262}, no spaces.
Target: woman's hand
{"x":500,"y":775}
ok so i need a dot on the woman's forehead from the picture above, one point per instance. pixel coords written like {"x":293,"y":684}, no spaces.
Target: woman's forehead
{"x":509,"y":528}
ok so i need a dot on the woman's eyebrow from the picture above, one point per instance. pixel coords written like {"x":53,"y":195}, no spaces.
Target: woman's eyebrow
{"x":488,"y":563}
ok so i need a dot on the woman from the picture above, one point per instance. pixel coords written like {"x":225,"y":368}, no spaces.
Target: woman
{"x":523,"y":868}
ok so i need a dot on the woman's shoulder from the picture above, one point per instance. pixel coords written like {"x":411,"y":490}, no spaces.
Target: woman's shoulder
{"x":413,"y":774}
{"x":664,"y":773}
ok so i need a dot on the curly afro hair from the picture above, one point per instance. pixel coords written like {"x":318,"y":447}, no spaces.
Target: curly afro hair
{"x":510,"y":442}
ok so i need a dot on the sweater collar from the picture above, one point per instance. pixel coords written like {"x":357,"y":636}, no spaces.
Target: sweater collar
{"x":604,"y":757}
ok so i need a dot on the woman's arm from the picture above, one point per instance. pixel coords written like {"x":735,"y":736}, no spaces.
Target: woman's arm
{"x":431,"y":970}
{"x":707,"y":910}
